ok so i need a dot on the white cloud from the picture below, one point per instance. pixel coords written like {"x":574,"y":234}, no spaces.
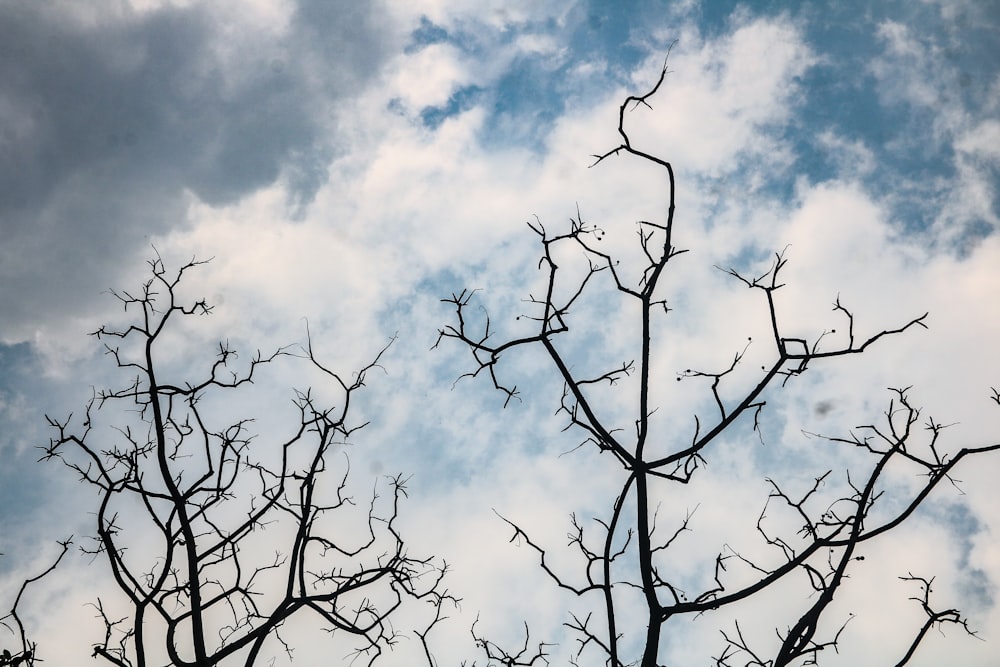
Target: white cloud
{"x":406,"y":213}
{"x":429,"y":77}
{"x":982,"y":141}
{"x":723,"y":95}
{"x":918,"y":72}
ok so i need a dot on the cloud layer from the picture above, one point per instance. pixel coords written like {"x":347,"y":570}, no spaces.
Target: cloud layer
{"x":353,"y":164}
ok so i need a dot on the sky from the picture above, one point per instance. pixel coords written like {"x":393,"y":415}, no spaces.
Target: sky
{"x":352,"y":164}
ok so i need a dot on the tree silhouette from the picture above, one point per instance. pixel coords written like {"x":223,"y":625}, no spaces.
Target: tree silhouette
{"x":24,"y":654}
{"x":217,"y":539}
{"x":633,"y":582}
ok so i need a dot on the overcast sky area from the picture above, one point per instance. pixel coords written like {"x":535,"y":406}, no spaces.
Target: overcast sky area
{"x":350,"y":164}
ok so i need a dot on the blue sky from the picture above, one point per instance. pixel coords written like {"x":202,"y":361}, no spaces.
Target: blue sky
{"x":354,"y":163}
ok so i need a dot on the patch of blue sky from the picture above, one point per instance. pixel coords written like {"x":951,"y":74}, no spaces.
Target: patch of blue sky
{"x":846,"y":106}
{"x":529,"y":88}
{"x":517,"y":89}
{"x":536,"y":90}
{"x":13,"y":358}
{"x":460,"y":101}
{"x":964,"y":525}
{"x":613,"y":28}
{"x":845,"y":96}
{"x":842,"y":97}
{"x":426,"y":34}
{"x":751,"y":261}
{"x":525,"y":101}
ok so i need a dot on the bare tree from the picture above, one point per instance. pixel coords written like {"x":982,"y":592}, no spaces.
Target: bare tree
{"x":217,"y":539}
{"x":24,"y":653}
{"x":808,"y":538}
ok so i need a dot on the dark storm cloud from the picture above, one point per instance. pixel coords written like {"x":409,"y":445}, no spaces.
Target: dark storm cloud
{"x":105,"y":122}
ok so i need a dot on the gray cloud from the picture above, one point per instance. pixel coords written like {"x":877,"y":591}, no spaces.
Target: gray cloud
{"x":106,"y":122}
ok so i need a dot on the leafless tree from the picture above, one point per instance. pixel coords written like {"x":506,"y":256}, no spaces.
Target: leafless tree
{"x":629,"y":569}
{"x":217,"y":538}
{"x":24,"y":653}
